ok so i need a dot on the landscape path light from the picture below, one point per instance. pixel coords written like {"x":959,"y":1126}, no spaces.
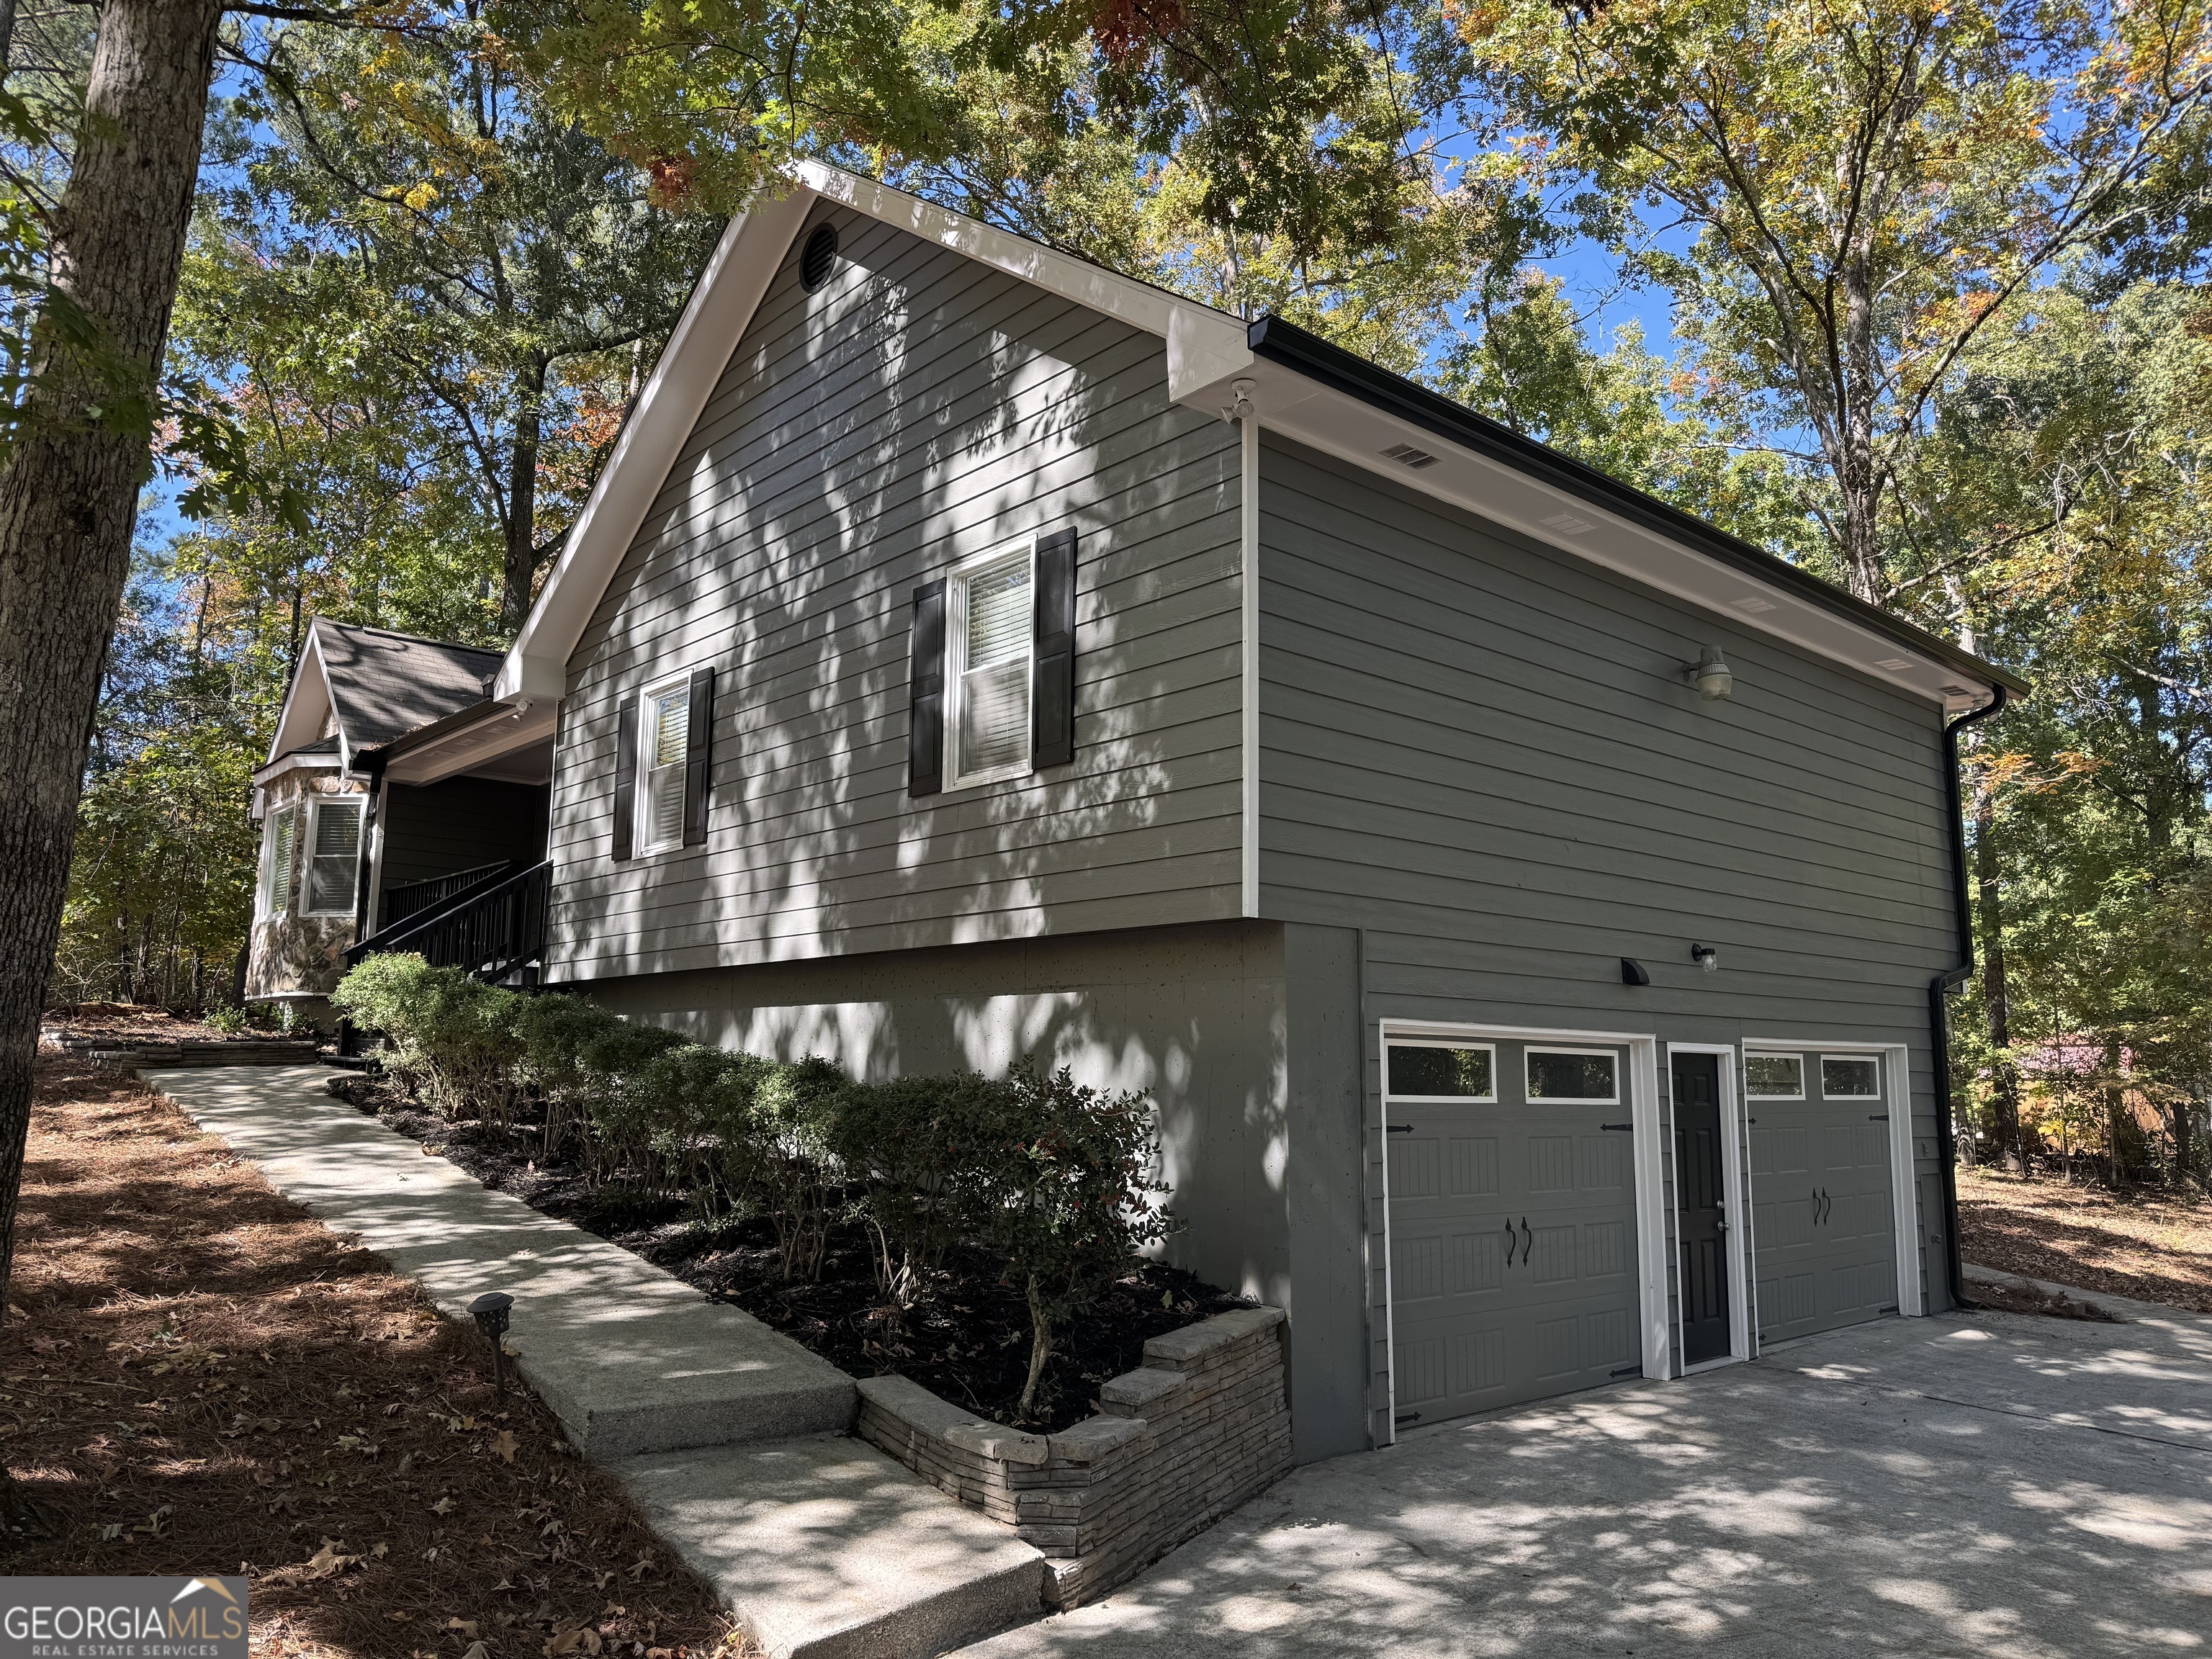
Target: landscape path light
{"x":491,"y":1312}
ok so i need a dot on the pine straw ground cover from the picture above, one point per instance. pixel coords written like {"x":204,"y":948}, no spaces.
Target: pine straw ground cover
{"x":201,"y":1379}
{"x":2152,"y":1247}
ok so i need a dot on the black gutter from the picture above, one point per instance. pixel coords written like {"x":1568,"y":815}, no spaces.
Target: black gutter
{"x":1939,"y":991}
{"x":1308,"y":354}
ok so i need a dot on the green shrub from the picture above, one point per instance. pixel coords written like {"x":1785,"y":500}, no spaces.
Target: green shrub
{"x":919,"y":1145}
{"x":1068,"y":1201}
{"x":557,"y":1031}
{"x":454,"y":1040}
{"x":1055,"y":1180}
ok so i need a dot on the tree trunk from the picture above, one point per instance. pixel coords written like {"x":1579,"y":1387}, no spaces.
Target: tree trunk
{"x":70,"y":496}
{"x":1039,"y":1347}
{"x":521,"y":561}
{"x":1997,"y":1001}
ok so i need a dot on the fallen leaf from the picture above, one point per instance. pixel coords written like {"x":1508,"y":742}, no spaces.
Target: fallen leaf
{"x":379,"y":1549}
{"x":505,"y":1445}
{"x":110,"y":1532}
{"x":466,"y":1626}
{"x":478,"y":1650}
{"x":443,"y":1506}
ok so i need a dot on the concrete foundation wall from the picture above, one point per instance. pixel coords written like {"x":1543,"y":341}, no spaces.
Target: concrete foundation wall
{"x":1266,"y":1176}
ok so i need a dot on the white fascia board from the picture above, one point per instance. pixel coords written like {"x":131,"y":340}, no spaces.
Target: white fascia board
{"x":525,"y":724}
{"x":1342,"y":425}
{"x":728,"y":292}
{"x":1203,"y":346}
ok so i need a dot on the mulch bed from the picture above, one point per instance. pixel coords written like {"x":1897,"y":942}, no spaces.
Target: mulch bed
{"x":201,"y":1379}
{"x":2023,"y":1297}
{"x":968,"y":1341}
{"x":2149,"y":1246}
{"x":126,"y":1021}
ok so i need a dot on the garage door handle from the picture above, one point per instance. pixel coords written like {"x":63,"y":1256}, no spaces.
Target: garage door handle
{"x":1512,"y":1241}
{"x":1528,"y":1240}
{"x":1625,"y":1128}
{"x":1398,"y":1129}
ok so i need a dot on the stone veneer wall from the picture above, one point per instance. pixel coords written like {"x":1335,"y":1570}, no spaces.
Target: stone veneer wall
{"x":1204,"y":1426}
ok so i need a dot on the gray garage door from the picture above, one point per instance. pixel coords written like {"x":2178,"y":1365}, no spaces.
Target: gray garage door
{"x":1512,"y":1224}
{"x":1821,"y":1193}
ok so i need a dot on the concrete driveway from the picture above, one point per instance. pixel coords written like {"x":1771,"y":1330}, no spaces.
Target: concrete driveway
{"x":1975,"y":1484}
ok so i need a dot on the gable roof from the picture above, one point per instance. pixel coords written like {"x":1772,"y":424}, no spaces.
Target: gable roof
{"x":1295,"y":383}
{"x":375,"y":685}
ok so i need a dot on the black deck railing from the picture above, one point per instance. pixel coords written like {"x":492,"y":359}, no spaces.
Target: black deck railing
{"x":415,"y":896}
{"x":490,"y":932}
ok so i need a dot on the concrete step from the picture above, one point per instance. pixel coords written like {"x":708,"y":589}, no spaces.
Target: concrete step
{"x":824,"y":1548}
{"x":631,"y":1358}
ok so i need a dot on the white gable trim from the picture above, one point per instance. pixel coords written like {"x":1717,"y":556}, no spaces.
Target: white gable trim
{"x":1203,"y":346}
{"x":1208,"y":358}
{"x":306,"y":715}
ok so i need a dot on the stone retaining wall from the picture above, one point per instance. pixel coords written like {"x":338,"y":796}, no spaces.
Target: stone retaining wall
{"x":1204,"y":1426}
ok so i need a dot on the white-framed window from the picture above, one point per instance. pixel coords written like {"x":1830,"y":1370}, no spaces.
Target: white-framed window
{"x":334,"y":856}
{"x":1851,"y":1077}
{"x":1573,"y":1077}
{"x":1774,"y":1076}
{"x":278,"y":848}
{"x":990,"y":632}
{"x":1436,"y":1069}
{"x":664,"y":737}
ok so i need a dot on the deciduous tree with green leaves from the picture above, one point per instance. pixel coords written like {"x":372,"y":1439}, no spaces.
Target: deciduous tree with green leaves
{"x":1862,"y":184}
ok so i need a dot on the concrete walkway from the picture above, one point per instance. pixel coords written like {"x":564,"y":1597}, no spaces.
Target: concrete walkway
{"x":1992,"y":1484}
{"x":729,"y":1435}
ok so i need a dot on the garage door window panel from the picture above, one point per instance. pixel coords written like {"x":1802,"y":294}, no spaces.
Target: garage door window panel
{"x":1850,"y":1079}
{"x":1573,"y":1077}
{"x":1774,"y":1076}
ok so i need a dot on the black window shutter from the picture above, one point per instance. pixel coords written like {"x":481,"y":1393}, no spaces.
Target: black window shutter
{"x":924,"y":732}
{"x":626,"y":779}
{"x":697,"y":745}
{"x":1052,"y":668}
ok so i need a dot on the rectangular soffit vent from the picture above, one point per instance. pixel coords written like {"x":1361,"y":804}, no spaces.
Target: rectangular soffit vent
{"x":1406,"y":455}
{"x":1567,"y":524}
{"x":1751,"y":607}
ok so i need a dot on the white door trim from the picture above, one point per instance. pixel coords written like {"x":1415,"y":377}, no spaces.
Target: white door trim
{"x":1742,"y":1337}
{"x":1903,"y":1192}
{"x":1658,"y":1344}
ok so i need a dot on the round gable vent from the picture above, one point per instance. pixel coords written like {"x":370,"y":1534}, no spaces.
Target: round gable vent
{"x":820,"y":258}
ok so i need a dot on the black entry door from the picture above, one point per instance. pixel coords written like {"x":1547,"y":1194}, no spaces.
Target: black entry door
{"x":1702,"y":1219}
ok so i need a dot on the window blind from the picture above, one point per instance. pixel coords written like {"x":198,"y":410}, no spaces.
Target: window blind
{"x":668,"y":715}
{"x":277,"y":884}
{"x":994,"y":681}
{"x":336,"y":857}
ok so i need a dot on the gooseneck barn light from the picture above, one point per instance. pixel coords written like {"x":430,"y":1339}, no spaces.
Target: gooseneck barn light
{"x":1710,"y":675}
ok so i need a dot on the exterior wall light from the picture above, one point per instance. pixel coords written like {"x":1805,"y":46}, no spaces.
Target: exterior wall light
{"x":1710,"y":675}
{"x":1706,"y":957}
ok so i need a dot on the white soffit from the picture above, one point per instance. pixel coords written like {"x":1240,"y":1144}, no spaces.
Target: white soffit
{"x":1340,"y":424}
{"x":478,"y":744}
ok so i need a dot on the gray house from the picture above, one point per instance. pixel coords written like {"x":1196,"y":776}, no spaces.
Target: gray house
{"x":1528,"y":906}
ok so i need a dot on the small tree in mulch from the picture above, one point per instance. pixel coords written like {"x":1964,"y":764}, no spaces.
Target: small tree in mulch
{"x":1071,"y":1199}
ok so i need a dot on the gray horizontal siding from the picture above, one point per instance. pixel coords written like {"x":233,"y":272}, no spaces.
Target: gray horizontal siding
{"x":1481,"y":751}
{"x":917,"y":410}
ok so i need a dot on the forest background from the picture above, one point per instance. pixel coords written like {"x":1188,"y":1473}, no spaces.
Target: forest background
{"x":1929,"y":305}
